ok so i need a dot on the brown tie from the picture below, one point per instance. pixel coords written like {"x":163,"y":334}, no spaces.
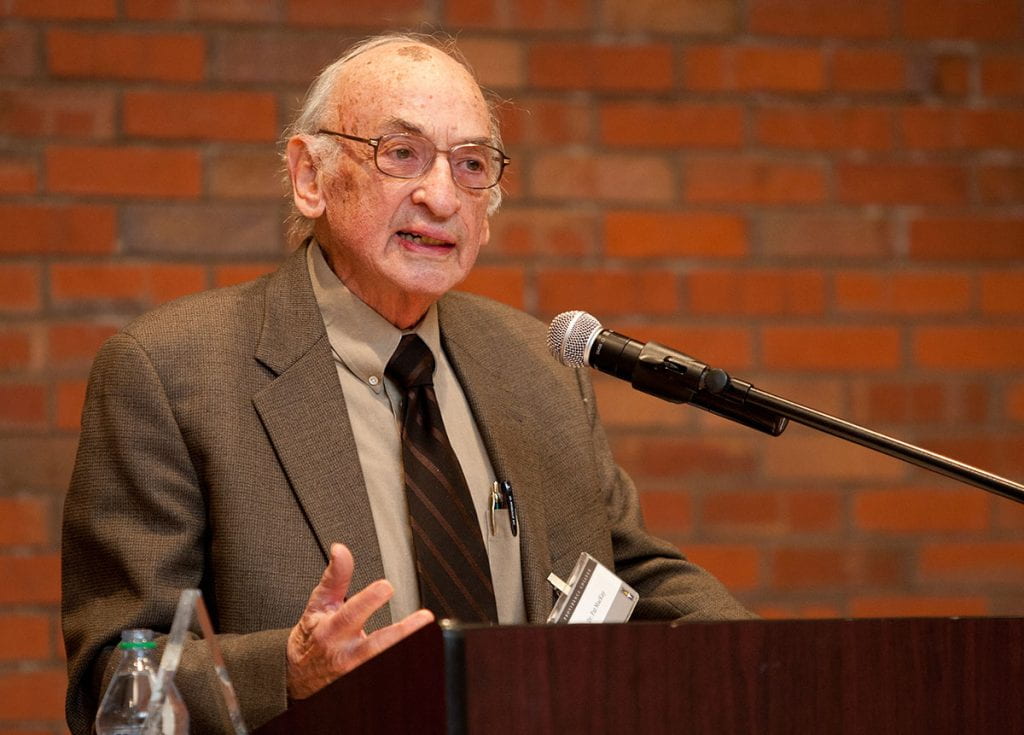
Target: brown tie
{"x":454,"y":576}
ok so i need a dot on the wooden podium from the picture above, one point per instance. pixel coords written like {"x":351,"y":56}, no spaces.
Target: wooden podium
{"x":801,"y":676}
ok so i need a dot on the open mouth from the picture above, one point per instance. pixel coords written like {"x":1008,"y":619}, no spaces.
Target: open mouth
{"x":418,"y":239}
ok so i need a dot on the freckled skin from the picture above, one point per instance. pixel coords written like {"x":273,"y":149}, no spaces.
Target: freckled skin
{"x":416,"y":53}
{"x":365,"y":209}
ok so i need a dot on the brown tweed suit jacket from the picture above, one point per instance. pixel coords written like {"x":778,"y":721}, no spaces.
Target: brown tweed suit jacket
{"x":216,"y":453}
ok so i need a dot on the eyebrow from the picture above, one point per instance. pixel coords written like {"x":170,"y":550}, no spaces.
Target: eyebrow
{"x":399,"y":125}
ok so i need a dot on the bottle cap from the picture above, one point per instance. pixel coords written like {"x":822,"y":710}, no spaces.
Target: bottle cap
{"x":137,"y":638}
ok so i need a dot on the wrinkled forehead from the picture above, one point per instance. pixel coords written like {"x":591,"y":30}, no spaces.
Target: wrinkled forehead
{"x":412,"y":82}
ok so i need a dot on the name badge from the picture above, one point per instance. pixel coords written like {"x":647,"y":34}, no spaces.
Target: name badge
{"x":593,"y":594}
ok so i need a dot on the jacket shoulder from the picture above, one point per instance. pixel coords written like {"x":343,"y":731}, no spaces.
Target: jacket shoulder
{"x":486,"y":320}
{"x":208,"y":315}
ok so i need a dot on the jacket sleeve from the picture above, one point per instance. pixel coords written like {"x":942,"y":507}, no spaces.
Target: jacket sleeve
{"x":133,"y":538}
{"x":670,"y":586}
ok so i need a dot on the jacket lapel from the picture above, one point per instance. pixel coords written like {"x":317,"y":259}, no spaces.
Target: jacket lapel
{"x":510,"y":445}
{"x":303,"y":412}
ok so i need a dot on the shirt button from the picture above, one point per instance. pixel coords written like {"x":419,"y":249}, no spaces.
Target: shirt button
{"x":373,"y":380}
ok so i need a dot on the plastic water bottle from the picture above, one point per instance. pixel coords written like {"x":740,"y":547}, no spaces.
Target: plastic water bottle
{"x":125,"y":704}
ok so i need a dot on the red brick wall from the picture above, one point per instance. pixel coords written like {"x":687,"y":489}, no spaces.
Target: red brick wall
{"x":826,"y":198}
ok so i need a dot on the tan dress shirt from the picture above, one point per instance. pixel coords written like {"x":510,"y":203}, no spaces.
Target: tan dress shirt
{"x":362,"y":342}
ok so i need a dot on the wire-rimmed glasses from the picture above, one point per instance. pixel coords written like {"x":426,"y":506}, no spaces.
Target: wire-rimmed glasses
{"x":406,"y":156}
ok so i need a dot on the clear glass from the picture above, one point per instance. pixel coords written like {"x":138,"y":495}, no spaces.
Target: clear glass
{"x":124,"y":705}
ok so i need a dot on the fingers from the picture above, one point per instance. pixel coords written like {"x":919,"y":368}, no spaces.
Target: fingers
{"x":329,"y":639}
{"x":330,"y":592}
{"x":353,"y":614}
{"x":383,"y":639}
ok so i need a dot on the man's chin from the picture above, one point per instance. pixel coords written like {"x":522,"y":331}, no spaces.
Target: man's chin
{"x":431,"y":279}
{"x":427,"y":290}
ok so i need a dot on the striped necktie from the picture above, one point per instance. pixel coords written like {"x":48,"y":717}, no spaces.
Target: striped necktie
{"x":451,"y":563}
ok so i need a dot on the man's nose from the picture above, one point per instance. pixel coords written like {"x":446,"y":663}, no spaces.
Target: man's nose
{"x":437,"y":190}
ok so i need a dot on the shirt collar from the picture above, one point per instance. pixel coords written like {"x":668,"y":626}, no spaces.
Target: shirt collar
{"x":362,"y":340}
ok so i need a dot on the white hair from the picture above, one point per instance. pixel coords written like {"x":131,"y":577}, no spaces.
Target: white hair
{"x":316,"y":105}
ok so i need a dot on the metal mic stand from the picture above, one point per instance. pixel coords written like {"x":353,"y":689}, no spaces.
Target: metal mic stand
{"x":887,"y":445}
{"x":715,"y":391}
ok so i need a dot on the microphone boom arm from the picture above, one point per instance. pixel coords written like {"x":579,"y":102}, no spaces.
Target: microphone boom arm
{"x":678,"y":378}
{"x":887,"y":445}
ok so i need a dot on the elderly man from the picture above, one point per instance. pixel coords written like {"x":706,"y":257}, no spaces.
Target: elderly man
{"x":234,"y":440}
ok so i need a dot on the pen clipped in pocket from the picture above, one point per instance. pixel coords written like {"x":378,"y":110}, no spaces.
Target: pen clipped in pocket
{"x":502,"y":509}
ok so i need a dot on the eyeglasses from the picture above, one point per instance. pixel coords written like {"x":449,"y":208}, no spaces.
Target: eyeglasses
{"x":405,"y":156}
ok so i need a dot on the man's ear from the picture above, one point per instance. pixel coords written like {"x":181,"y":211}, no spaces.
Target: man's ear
{"x":485,"y":233}
{"x":307,"y":189}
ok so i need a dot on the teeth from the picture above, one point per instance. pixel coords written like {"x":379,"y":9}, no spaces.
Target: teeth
{"x":423,"y":239}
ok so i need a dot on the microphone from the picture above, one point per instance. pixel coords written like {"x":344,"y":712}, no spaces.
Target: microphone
{"x":577,"y":339}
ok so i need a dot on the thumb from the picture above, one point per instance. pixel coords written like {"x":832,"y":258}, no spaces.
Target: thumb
{"x":333,"y":587}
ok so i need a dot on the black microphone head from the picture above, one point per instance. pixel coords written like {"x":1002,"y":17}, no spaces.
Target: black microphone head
{"x":570,"y":336}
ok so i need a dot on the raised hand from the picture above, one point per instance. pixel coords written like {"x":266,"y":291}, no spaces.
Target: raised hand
{"x":329,"y":640}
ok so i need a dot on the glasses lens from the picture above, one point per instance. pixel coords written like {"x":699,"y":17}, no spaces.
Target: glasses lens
{"x":404,"y":156}
{"x":475,"y":166}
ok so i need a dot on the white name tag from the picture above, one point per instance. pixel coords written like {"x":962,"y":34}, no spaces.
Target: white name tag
{"x":593,"y":594}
